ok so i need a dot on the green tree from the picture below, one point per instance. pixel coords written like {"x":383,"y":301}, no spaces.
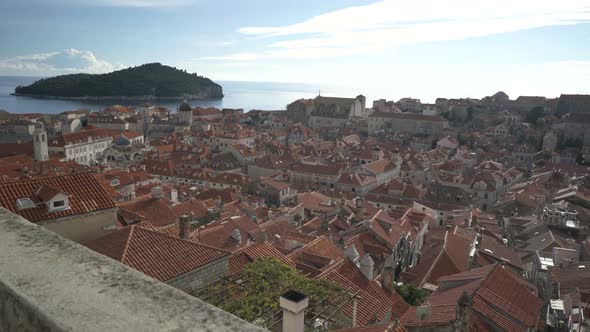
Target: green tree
{"x":264,"y":281}
{"x":534,"y":114}
{"x":412,"y":294}
{"x":144,"y":80}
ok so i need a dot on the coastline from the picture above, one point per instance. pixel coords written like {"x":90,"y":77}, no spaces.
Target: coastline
{"x":122,"y":98}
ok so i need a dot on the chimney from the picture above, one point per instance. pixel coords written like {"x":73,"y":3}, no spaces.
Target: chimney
{"x":183,"y":225}
{"x":294,"y":304}
{"x":359,"y":210}
{"x":388,"y":274}
{"x":351,"y":253}
{"x":366,"y":266}
{"x":157,"y":192}
{"x":174,"y":196}
{"x":236,"y":235}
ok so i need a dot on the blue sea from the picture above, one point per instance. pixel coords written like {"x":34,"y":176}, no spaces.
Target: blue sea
{"x":238,"y":94}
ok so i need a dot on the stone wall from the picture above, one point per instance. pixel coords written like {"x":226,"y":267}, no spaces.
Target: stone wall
{"x":84,"y":227}
{"x":202,"y":276}
{"x":48,"y":283}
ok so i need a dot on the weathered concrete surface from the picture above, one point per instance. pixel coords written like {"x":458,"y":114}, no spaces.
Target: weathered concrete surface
{"x":48,"y":283}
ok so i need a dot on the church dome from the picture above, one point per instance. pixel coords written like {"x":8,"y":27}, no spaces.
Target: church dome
{"x":185,"y":107}
{"x":122,"y":141}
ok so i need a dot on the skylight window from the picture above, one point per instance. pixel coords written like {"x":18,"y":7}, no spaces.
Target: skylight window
{"x":24,"y":203}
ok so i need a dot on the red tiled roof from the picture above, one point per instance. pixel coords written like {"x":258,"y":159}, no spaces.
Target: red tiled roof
{"x":373,"y":299}
{"x":155,"y":212}
{"x":498,"y":294}
{"x":499,"y":252}
{"x":440,"y":257}
{"x":81,"y":136}
{"x":157,"y":255}
{"x":253,"y":252}
{"x":380,"y":327}
{"x":85,"y":194}
{"x":272,"y":162}
{"x":380,"y":166}
{"x":219,"y":234}
{"x":440,"y":316}
{"x":45,"y":193}
{"x":193,"y":207}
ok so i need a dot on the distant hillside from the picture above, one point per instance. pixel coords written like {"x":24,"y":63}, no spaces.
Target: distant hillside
{"x":142,"y":82}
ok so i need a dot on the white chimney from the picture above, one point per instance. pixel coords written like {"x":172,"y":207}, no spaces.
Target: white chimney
{"x":351,"y":253}
{"x":366,"y":267}
{"x":294,"y":304}
{"x":236,"y":235}
{"x":174,"y":196}
{"x":157,"y":192}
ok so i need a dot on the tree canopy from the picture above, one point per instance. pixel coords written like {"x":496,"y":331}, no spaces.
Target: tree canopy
{"x":412,"y":294}
{"x":145,"y":80}
{"x":264,"y":281}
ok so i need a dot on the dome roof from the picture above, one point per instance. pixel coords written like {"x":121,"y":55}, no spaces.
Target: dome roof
{"x":122,"y":141}
{"x":185,"y":107}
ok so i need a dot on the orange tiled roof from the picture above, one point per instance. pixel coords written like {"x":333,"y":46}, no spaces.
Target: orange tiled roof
{"x":85,"y":193}
{"x":373,"y":299}
{"x":155,"y":212}
{"x":498,"y":294}
{"x":379,"y":327}
{"x":158,"y":255}
{"x":253,"y":252}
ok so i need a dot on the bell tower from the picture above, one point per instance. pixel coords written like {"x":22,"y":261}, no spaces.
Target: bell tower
{"x":41,"y":151}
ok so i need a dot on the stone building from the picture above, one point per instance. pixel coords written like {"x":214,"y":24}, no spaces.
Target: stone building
{"x":333,"y":112}
{"x":406,"y":122}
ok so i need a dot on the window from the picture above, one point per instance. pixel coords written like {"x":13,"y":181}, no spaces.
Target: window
{"x":59,"y":204}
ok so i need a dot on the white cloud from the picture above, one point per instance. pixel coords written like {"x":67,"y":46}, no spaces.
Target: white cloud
{"x":54,"y":63}
{"x":388,"y":23}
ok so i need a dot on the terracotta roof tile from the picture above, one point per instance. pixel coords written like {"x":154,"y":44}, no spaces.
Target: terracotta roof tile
{"x":157,"y":255}
{"x":155,"y":212}
{"x":373,"y":299}
{"x":253,"y":252}
{"x":85,"y":194}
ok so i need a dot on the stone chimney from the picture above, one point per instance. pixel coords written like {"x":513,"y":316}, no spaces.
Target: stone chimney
{"x":463,"y":313}
{"x":359,"y":209}
{"x":366,"y":266}
{"x":157,"y":192}
{"x":388,"y":274}
{"x":183,"y":226}
{"x":236,"y":235}
{"x":351,"y":253}
{"x":294,"y":304}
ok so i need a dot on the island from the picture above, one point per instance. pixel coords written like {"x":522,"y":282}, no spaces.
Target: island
{"x":145,"y":82}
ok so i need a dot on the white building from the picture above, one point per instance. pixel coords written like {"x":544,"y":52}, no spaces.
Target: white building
{"x":85,"y":147}
{"x":40,"y":147}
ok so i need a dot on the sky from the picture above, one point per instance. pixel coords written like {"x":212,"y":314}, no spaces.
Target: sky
{"x":384,"y":49}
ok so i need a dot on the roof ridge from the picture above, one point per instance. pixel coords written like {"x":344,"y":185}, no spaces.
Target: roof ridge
{"x":198,"y":244}
{"x":435,"y":260}
{"x":127,"y":242}
{"x":43,"y":179}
